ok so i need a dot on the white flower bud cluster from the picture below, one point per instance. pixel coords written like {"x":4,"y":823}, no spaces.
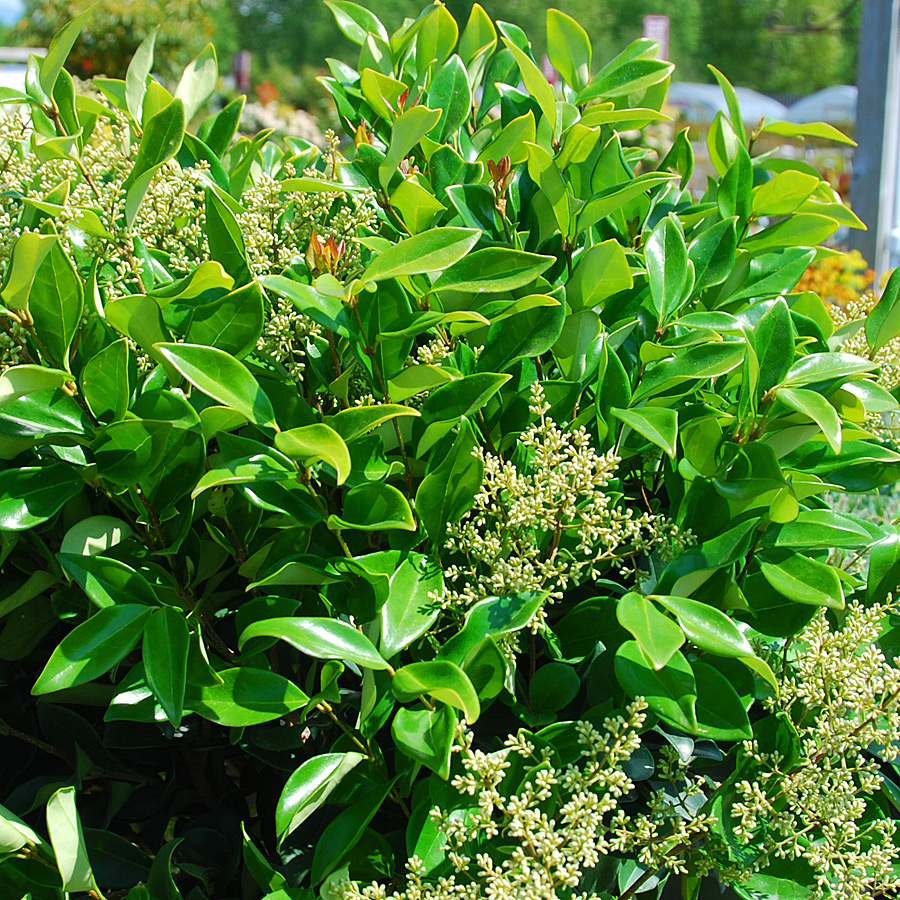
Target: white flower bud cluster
{"x":544,"y":520}
{"x":886,"y":426}
{"x":545,"y":832}
{"x":844,"y":697}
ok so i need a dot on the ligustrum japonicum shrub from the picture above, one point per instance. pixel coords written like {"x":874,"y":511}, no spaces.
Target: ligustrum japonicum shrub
{"x":442,"y":517}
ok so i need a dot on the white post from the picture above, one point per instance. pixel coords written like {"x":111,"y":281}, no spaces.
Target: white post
{"x":876,"y":188}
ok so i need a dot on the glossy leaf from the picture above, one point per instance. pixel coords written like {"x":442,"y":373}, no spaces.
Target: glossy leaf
{"x":709,"y":628}
{"x":883,"y":321}
{"x":409,"y":610}
{"x":67,"y":837}
{"x":56,"y":303}
{"x":671,"y":692}
{"x":247,"y":696}
{"x":569,"y":49}
{"x":805,"y":580}
{"x":432,"y":251}
{"x":817,"y":408}
{"x":426,"y":736}
{"x":440,"y":679}
{"x":658,"y":424}
{"x":93,"y":647}
{"x":310,"y":786}
{"x":34,"y":494}
{"x":493,"y":270}
{"x":316,"y":443}
{"x":374,"y":506}
{"x":107,"y":581}
{"x":659,"y":637}
{"x":319,"y":637}
{"x":165,"y":650}
{"x":220,"y":376}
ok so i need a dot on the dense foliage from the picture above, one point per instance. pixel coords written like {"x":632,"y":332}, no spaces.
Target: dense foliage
{"x":444,"y":521}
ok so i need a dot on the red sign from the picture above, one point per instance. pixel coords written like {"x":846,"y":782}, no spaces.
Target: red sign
{"x":656,"y":28}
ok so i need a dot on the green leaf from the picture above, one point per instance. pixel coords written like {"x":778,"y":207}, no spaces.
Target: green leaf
{"x":493,"y":616}
{"x":94,"y":535}
{"x":734,"y":109}
{"x":106,"y":581}
{"x":536,"y":85}
{"x":309,"y":787}
{"x":817,"y":408}
{"x":554,"y":686}
{"x":807,"y":129}
{"x":820,"y":529}
{"x":544,"y":171}
{"x":631,"y":77}
{"x":527,"y":334}
{"x":670,"y":692}
{"x":356,"y":21}
{"x":226,"y":241}
{"x":246,"y":696}
{"x":319,"y":637}
{"x":232,"y":323}
{"x":374,"y":506}
{"x":713,"y":254}
{"x":409,"y":611}
{"x":512,"y":140}
{"x":884,"y":569}
{"x":462,"y":397}
{"x":220,"y":376}
{"x":28,"y":253}
{"x":698,"y":362}
{"x":493,"y":270}
{"x":773,"y":340}
{"x":883,"y":321}
{"x":165,"y":650}
{"x":34,"y":494}
{"x":18,"y":381}
{"x":160,"y":884}
{"x":451,"y":95}
{"x":409,"y":128}
{"x":198,"y":82}
{"x":67,"y":838}
{"x":799,"y":230}
{"x":440,"y":679}
{"x":448,"y":491}
{"x":129,"y":450}
{"x":602,"y":271}
{"x":316,"y":443}
{"x":667,"y":267}
{"x":658,"y":424}
{"x":818,"y":367}
{"x":720,"y":713}
{"x":162,"y":137}
{"x":93,"y":647}
{"x":783,"y":194}
{"x":56,"y":304}
{"x":613,"y":198}
{"x":426,"y":736}
{"x":569,"y":49}
{"x":138,"y":72}
{"x":14,"y":833}
{"x":432,"y":251}
{"x":359,"y":420}
{"x":709,"y":628}
{"x":62,"y":43}
{"x":257,"y":470}
{"x":106,"y":381}
{"x":659,"y":637}
{"x":804,"y":580}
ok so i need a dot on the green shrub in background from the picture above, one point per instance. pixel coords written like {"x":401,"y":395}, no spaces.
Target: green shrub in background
{"x":448,"y":519}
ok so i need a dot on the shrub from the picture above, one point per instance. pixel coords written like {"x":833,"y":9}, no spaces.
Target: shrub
{"x":446,"y":521}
